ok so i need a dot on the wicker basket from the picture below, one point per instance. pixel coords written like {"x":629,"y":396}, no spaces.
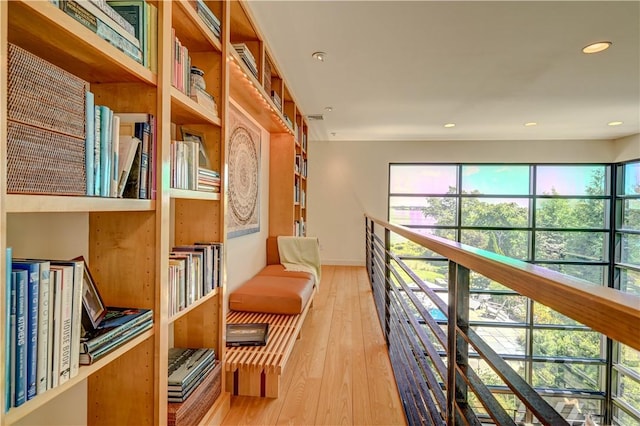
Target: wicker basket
{"x":43,"y":162}
{"x":267,"y":76}
{"x":43,"y":95}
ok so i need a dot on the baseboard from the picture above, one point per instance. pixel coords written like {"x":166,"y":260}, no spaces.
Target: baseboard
{"x":342,"y":262}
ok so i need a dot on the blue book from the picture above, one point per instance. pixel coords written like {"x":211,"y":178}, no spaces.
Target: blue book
{"x":90,"y":134}
{"x":20,"y":372}
{"x":9,"y":319}
{"x":33,"y":307}
{"x":105,"y":151}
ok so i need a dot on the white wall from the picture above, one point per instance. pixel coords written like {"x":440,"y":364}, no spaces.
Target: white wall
{"x":347,"y":179}
{"x":246,"y":254}
{"x":627,"y":148}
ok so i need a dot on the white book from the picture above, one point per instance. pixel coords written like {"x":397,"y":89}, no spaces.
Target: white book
{"x":62,"y":333}
{"x":126,"y":155}
{"x":76,"y":317}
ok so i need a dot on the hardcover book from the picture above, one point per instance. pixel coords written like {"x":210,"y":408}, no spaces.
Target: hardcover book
{"x":250,"y":334}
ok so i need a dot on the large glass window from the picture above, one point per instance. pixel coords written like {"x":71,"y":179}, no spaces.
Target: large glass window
{"x":557,"y":216}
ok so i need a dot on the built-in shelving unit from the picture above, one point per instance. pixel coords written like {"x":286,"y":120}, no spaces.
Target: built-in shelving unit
{"x":127,"y":242}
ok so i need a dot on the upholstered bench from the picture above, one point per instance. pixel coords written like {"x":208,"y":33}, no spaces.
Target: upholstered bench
{"x":276,"y":296}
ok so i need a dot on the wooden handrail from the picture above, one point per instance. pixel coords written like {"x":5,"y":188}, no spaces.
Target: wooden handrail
{"x":606,"y":310}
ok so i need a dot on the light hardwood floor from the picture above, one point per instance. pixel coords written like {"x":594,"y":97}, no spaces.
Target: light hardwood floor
{"x":339,"y":372}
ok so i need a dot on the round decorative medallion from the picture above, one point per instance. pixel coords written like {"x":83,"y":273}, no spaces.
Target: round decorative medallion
{"x":243,"y":175}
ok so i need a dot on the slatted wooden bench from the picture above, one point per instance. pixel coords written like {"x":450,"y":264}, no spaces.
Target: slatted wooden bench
{"x":256,"y":370}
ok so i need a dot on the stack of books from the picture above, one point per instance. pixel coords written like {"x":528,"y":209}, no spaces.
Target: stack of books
{"x":276,"y":99}
{"x":202,"y":97}
{"x":188,"y":367}
{"x":288,"y":120}
{"x":208,"y":180}
{"x":247,"y":57}
{"x":209,"y":19}
{"x":118,"y":326}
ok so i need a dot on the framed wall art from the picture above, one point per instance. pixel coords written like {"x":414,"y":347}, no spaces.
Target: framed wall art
{"x":243,"y":156}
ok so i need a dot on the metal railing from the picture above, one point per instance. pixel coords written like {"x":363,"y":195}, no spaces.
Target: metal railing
{"x":420,"y":346}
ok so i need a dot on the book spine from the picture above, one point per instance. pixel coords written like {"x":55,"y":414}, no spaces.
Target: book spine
{"x":11,"y":383}
{"x":66,"y":311}
{"x":105,"y":150}
{"x":76,"y":318}
{"x":143,"y":133}
{"x":9,"y":323}
{"x":43,"y":328}
{"x":97,"y":176}
{"x":89,"y":140}
{"x":33,"y":295}
{"x":89,"y":358}
{"x":115,"y":147}
{"x":115,"y":16}
{"x":20,"y":376}
{"x":51,"y":330}
{"x":57,"y":280}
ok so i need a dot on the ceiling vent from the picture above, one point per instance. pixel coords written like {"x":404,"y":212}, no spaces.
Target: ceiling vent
{"x":315,"y":117}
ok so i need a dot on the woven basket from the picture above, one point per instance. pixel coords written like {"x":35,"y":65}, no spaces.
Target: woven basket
{"x":267,"y":76}
{"x":42,"y":95}
{"x":44,"y":162}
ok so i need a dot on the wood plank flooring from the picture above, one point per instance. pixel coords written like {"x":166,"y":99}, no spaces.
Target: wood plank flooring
{"x":339,"y":372}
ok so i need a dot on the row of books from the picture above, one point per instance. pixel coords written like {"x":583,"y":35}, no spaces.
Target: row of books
{"x":299,"y":228}
{"x":247,"y":57}
{"x":208,"y":17}
{"x":299,"y":195}
{"x":187,"y":368}
{"x":119,"y":152}
{"x":181,"y":69}
{"x":129,"y":25}
{"x":44,"y":307}
{"x":194,"y":271}
{"x":276,"y":99}
{"x":186,"y":169}
{"x":301,"y":165}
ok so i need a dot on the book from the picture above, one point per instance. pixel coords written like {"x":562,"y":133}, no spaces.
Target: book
{"x":90,"y":134}
{"x":136,"y":12}
{"x":128,"y":149}
{"x":9,"y":323}
{"x":115,"y":155}
{"x":91,"y":357}
{"x":185,"y":364}
{"x":117,"y":321}
{"x":91,"y":7}
{"x":62,"y":341}
{"x":97,"y":176}
{"x":20,"y":279}
{"x":61,"y":279}
{"x":249,"y":334}
{"x":105,"y":150}
{"x":33,"y":295}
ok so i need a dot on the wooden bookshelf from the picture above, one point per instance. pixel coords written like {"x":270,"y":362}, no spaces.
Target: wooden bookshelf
{"x":126,"y":241}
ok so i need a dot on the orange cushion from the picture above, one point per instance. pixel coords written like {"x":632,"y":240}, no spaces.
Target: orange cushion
{"x":272,"y":294}
{"x":278,"y":270}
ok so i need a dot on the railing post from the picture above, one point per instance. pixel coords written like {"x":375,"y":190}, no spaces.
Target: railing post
{"x":457,"y":348}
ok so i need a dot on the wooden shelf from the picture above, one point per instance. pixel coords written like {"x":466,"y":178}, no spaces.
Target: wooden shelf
{"x":17,"y":413}
{"x":193,"y":32}
{"x":186,"y":194}
{"x":45,"y":30}
{"x":185,"y":110}
{"x":194,"y":305}
{"x":21,"y":203}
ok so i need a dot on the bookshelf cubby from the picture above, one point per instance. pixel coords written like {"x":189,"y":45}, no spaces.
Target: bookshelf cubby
{"x":127,"y":241}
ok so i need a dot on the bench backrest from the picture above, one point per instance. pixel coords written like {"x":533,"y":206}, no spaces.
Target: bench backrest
{"x":273,"y":255}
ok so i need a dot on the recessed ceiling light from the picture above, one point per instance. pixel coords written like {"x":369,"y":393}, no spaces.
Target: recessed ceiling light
{"x":530,"y":124}
{"x":449,"y":125}
{"x":329,"y":109}
{"x":596,"y":47}
{"x":614,"y":123}
{"x":320,"y":56}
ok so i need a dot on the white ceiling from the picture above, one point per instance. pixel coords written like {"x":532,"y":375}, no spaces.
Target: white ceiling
{"x":400,"y":70}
